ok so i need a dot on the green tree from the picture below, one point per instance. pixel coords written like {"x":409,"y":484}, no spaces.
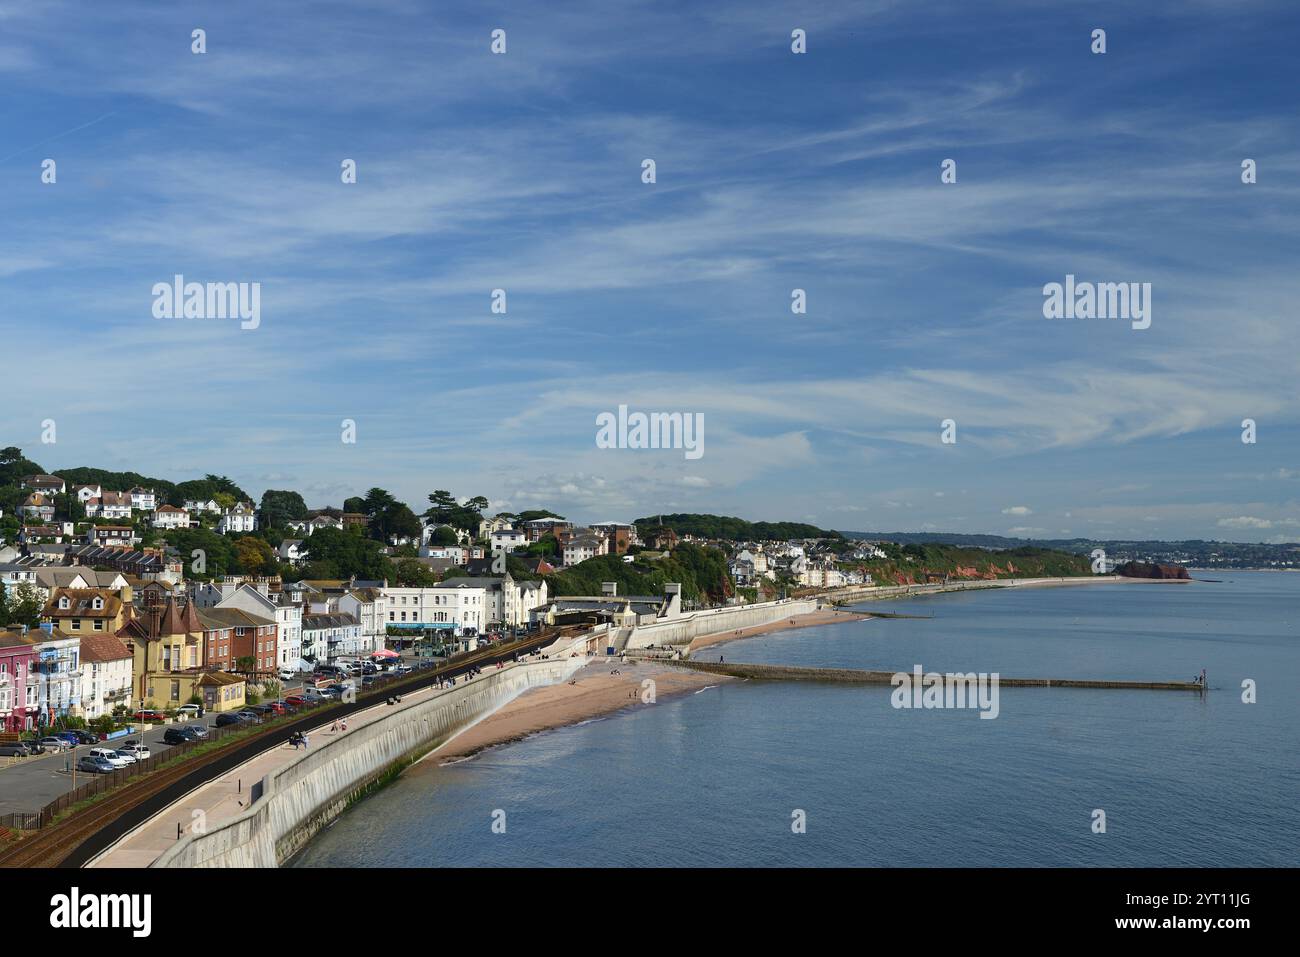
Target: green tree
{"x":280,"y":507}
{"x":414,"y":574}
{"x":20,"y":605}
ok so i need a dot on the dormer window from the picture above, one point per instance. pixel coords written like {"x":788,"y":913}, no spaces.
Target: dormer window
{"x":65,"y":602}
{"x":98,"y":603}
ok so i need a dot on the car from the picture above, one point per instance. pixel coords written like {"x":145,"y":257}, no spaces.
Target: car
{"x":260,"y":709}
{"x":14,"y":749}
{"x":368,"y":680}
{"x":141,"y":751}
{"x":111,"y":756}
{"x":148,"y":714}
{"x":179,"y":735}
{"x":287,"y":674}
{"x":52,"y":743}
{"x":278,"y":707}
{"x":227,"y":718}
{"x":95,"y":765}
{"x":332,"y":692}
{"x":127,"y":756}
{"x":34,"y":746}
{"x":297,"y":700}
{"x":199,"y":730}
{"x":249,"y":715}
{"x":187,"y":711}
{"x":86,"y":737}
{"x":69,"y":736}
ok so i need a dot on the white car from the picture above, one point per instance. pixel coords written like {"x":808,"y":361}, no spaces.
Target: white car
{"x":287,"y":674}
{"x":109,"y":755}
{"x":141,"y":751}
{"x":188,"y":711}
{"x":127,"y":756}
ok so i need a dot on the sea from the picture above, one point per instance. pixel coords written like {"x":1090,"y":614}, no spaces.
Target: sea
{"x":761,"y":774}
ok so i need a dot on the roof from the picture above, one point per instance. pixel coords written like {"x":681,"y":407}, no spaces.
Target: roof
{"x":219,"y":678}
{"x":465,"y":581}
{"x":328,"y":620}
{"x":81,"y":603}
{"x":168,"y":508}
{"x":102,"y":647}
{"x":215,"y":618}
{"x":13,"y":639}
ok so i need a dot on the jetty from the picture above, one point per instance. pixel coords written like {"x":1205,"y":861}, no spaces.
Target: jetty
{"x":852,"y":676}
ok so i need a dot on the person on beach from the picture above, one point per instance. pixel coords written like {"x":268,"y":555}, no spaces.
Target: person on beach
{"x":304,"y":741}
{"x":335,"y":726}
{"x":344,"y":724}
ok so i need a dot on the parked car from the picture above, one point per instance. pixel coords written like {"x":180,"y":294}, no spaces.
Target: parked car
{"x":248,"y":714}
{"x":127,"y":756}
{"x":86,"y":737}
{"x":109,"y":755}
{"x":261,"y":710}
{"x":148,"y":714}
{"x":199,"y":730}
{"x":14,"y":749}
{"x":278,"y":707}
{"x":95,"y":765}
{"x":288,"y":674}
{"x":141,"y":751}
{"x":297,"y":700}
{"x":52,"y":743}
{"x":34,"y":746}
{"x":227,"y":718}
{"x":178,"y":735}
{"x":187,"y":711}
{"x":69,"y":736}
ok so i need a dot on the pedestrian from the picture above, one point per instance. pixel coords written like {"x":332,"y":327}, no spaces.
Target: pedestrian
{"x":305,"y":743}
{"x":345,"y":724}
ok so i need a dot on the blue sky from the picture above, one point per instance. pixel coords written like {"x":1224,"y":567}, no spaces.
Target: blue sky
{"x":775,"y":171}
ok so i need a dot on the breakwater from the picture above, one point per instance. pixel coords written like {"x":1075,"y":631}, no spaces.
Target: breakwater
{"x":299,"y":799}
{"x":852,"y":676}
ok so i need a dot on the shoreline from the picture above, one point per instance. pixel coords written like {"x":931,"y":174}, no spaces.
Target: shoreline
{"x":823,"y":616}
{"x":594,"y":692}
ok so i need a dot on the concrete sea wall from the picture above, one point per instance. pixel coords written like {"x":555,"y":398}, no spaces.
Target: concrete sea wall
{"x":712,"y":621}
{"x":303,"y":797}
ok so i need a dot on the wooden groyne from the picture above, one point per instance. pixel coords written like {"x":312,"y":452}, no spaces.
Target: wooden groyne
{"x":852,"y":676}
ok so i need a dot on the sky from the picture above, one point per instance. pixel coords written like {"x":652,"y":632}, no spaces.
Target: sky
{"x":774,"y":171}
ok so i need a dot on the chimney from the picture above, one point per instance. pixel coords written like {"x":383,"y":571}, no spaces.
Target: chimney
{"x":609,"y":589}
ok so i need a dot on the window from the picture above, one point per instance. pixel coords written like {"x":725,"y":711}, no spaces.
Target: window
{"x":99,"y":624}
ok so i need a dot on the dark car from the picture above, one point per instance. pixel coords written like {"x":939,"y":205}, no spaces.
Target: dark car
{"x":227,"y":718}
{"x":263,"y":710}
{"x":34,"y":746}
{"x":176,"y":735}
{"x":14,"y":749}
{"x":86,"y":737}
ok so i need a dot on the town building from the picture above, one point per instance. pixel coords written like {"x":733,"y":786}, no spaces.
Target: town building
{"x":105,"y":674}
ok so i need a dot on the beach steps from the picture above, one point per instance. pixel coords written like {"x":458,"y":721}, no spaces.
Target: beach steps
{"x":851,"y":676}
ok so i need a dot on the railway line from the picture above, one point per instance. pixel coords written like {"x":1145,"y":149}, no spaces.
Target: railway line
{"x":74,"y":840}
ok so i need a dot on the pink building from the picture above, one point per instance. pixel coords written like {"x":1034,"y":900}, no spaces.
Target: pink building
{"x":18,"y":704}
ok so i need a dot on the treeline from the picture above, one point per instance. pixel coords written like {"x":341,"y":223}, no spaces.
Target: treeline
{"x":701,"y":571}
{"x":913,"y":561}
{"x":733,"y":529}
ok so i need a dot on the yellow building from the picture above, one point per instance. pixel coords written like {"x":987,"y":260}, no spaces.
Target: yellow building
{"x":166,"y":644}
{"x":89,"y":611}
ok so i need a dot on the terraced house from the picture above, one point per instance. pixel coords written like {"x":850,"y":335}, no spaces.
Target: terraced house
{"x":233,"y":636}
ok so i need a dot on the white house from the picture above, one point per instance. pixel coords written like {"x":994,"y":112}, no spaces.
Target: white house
{"x":291,"y":550}
{"x":169,"y":516}
{"x":310,"y":525}
{"x":194,"y":505}
{"x":143,"y":499}
{"x":37,"y":507}
{"x":580,"y":549}
{"x":105,"y":674}
{"x":241,"y":518}
{"x":85,"y":493}
{"x":326,"y":636}
{"x":113,"y":505}
{"x":507,"y":539}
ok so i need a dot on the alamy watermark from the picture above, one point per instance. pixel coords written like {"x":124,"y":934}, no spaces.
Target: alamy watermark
{"x":925,"y":691}
{"x":652,"y":430}
{"x":213,"y":300}
{"x":1102,"y":300}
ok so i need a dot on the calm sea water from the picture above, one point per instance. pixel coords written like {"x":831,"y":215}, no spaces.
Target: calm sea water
{"x":713,"y":778}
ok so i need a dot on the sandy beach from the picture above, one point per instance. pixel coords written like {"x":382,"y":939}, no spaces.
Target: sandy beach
{"x":823,"y":616}
{"x":593,"y":692}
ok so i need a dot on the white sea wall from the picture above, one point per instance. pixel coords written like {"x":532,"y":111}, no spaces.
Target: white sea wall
{"x":712,"y":621}
{"x":303,"y":797}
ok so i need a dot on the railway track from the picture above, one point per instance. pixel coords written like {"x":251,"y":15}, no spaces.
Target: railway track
{"x":83,"y":834}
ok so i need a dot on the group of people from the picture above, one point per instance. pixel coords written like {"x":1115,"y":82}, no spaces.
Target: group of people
{"x":1200,"y":679}
{"x":393,"y":699}
{"x":298,"y":738}
{"x":339,"y":724}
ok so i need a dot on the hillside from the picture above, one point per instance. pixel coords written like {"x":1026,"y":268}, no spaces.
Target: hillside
{"x":733,"y":529}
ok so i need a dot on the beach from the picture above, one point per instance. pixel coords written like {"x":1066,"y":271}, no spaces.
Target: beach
{"x":822,"y":616}
{"x":593,"y":692}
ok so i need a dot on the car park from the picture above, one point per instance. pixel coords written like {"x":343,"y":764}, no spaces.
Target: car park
{"x":14,"y":749}
{"x":95,"y":765}
{"x":109,"y":755}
